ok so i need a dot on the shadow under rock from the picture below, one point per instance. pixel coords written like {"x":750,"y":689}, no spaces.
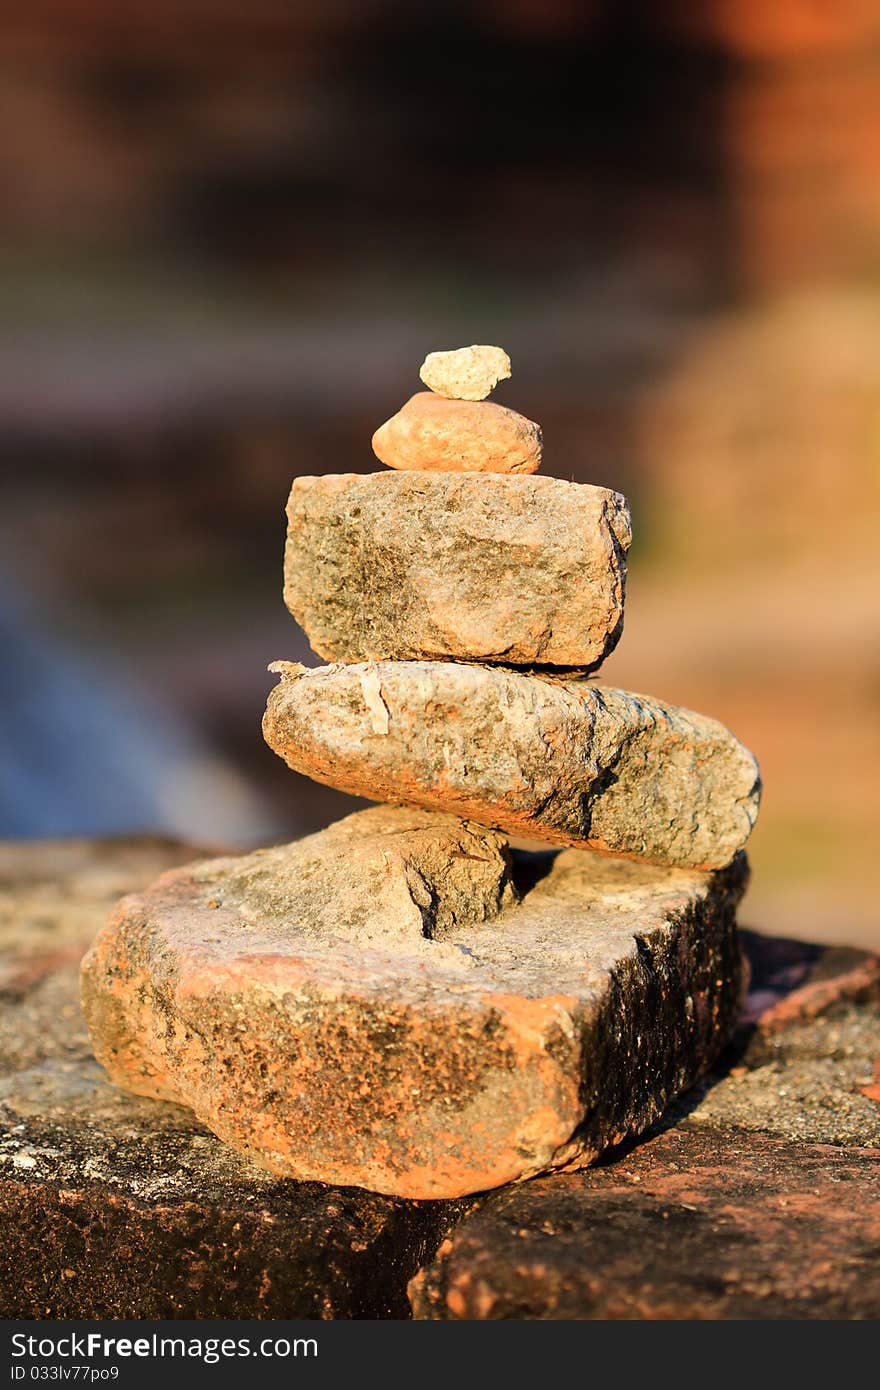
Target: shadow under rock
{"x":529,"y":867}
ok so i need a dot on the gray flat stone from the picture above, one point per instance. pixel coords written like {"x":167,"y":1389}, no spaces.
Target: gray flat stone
{"x":564,"y":761}
{"x":521,"y":570}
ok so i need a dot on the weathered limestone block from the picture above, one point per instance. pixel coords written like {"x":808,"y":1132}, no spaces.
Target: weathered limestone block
{"x":459,"y":1050}
{"x":563,"y":761}
{"x":465,"y":374}
{"x":525,"y":571}
{"x":431,"y":432}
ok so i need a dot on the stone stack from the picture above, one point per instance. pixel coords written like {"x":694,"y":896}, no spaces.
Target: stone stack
{"x":406,"y":1001}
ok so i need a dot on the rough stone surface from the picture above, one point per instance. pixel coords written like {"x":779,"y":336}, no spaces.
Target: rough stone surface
{"x":690,"y":1225}
{"x":468,"y":1046}
{"x":525,"y":571}
{"x":805,"y":1066}
{"x":465,"y":374}
{"x":382,"y":875}
{"x":562,"y":761}
{"x":113,"y":1206}
{"x":758,"y":1195}
{"x":117,"y":1207}
{"x":431,"y":432}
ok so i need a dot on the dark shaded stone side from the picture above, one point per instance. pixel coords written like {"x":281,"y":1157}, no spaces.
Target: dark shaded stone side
{"x":666,"y":1015}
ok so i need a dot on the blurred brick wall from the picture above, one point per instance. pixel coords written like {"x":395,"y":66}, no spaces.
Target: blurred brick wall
{"x":228,"y":236}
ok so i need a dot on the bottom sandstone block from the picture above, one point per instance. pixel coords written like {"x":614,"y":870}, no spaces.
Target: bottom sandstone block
{"x":397,"y":1003}
{"x":694,"y":1223}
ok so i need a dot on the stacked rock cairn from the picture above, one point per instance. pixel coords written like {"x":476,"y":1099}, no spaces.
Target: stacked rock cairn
{"x":407,"y":1001}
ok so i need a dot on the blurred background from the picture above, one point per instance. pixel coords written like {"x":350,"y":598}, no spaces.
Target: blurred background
{"x":231,"y":232}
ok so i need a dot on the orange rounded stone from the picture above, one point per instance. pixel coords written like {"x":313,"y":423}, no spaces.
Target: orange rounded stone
{"x":431,"y":432}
